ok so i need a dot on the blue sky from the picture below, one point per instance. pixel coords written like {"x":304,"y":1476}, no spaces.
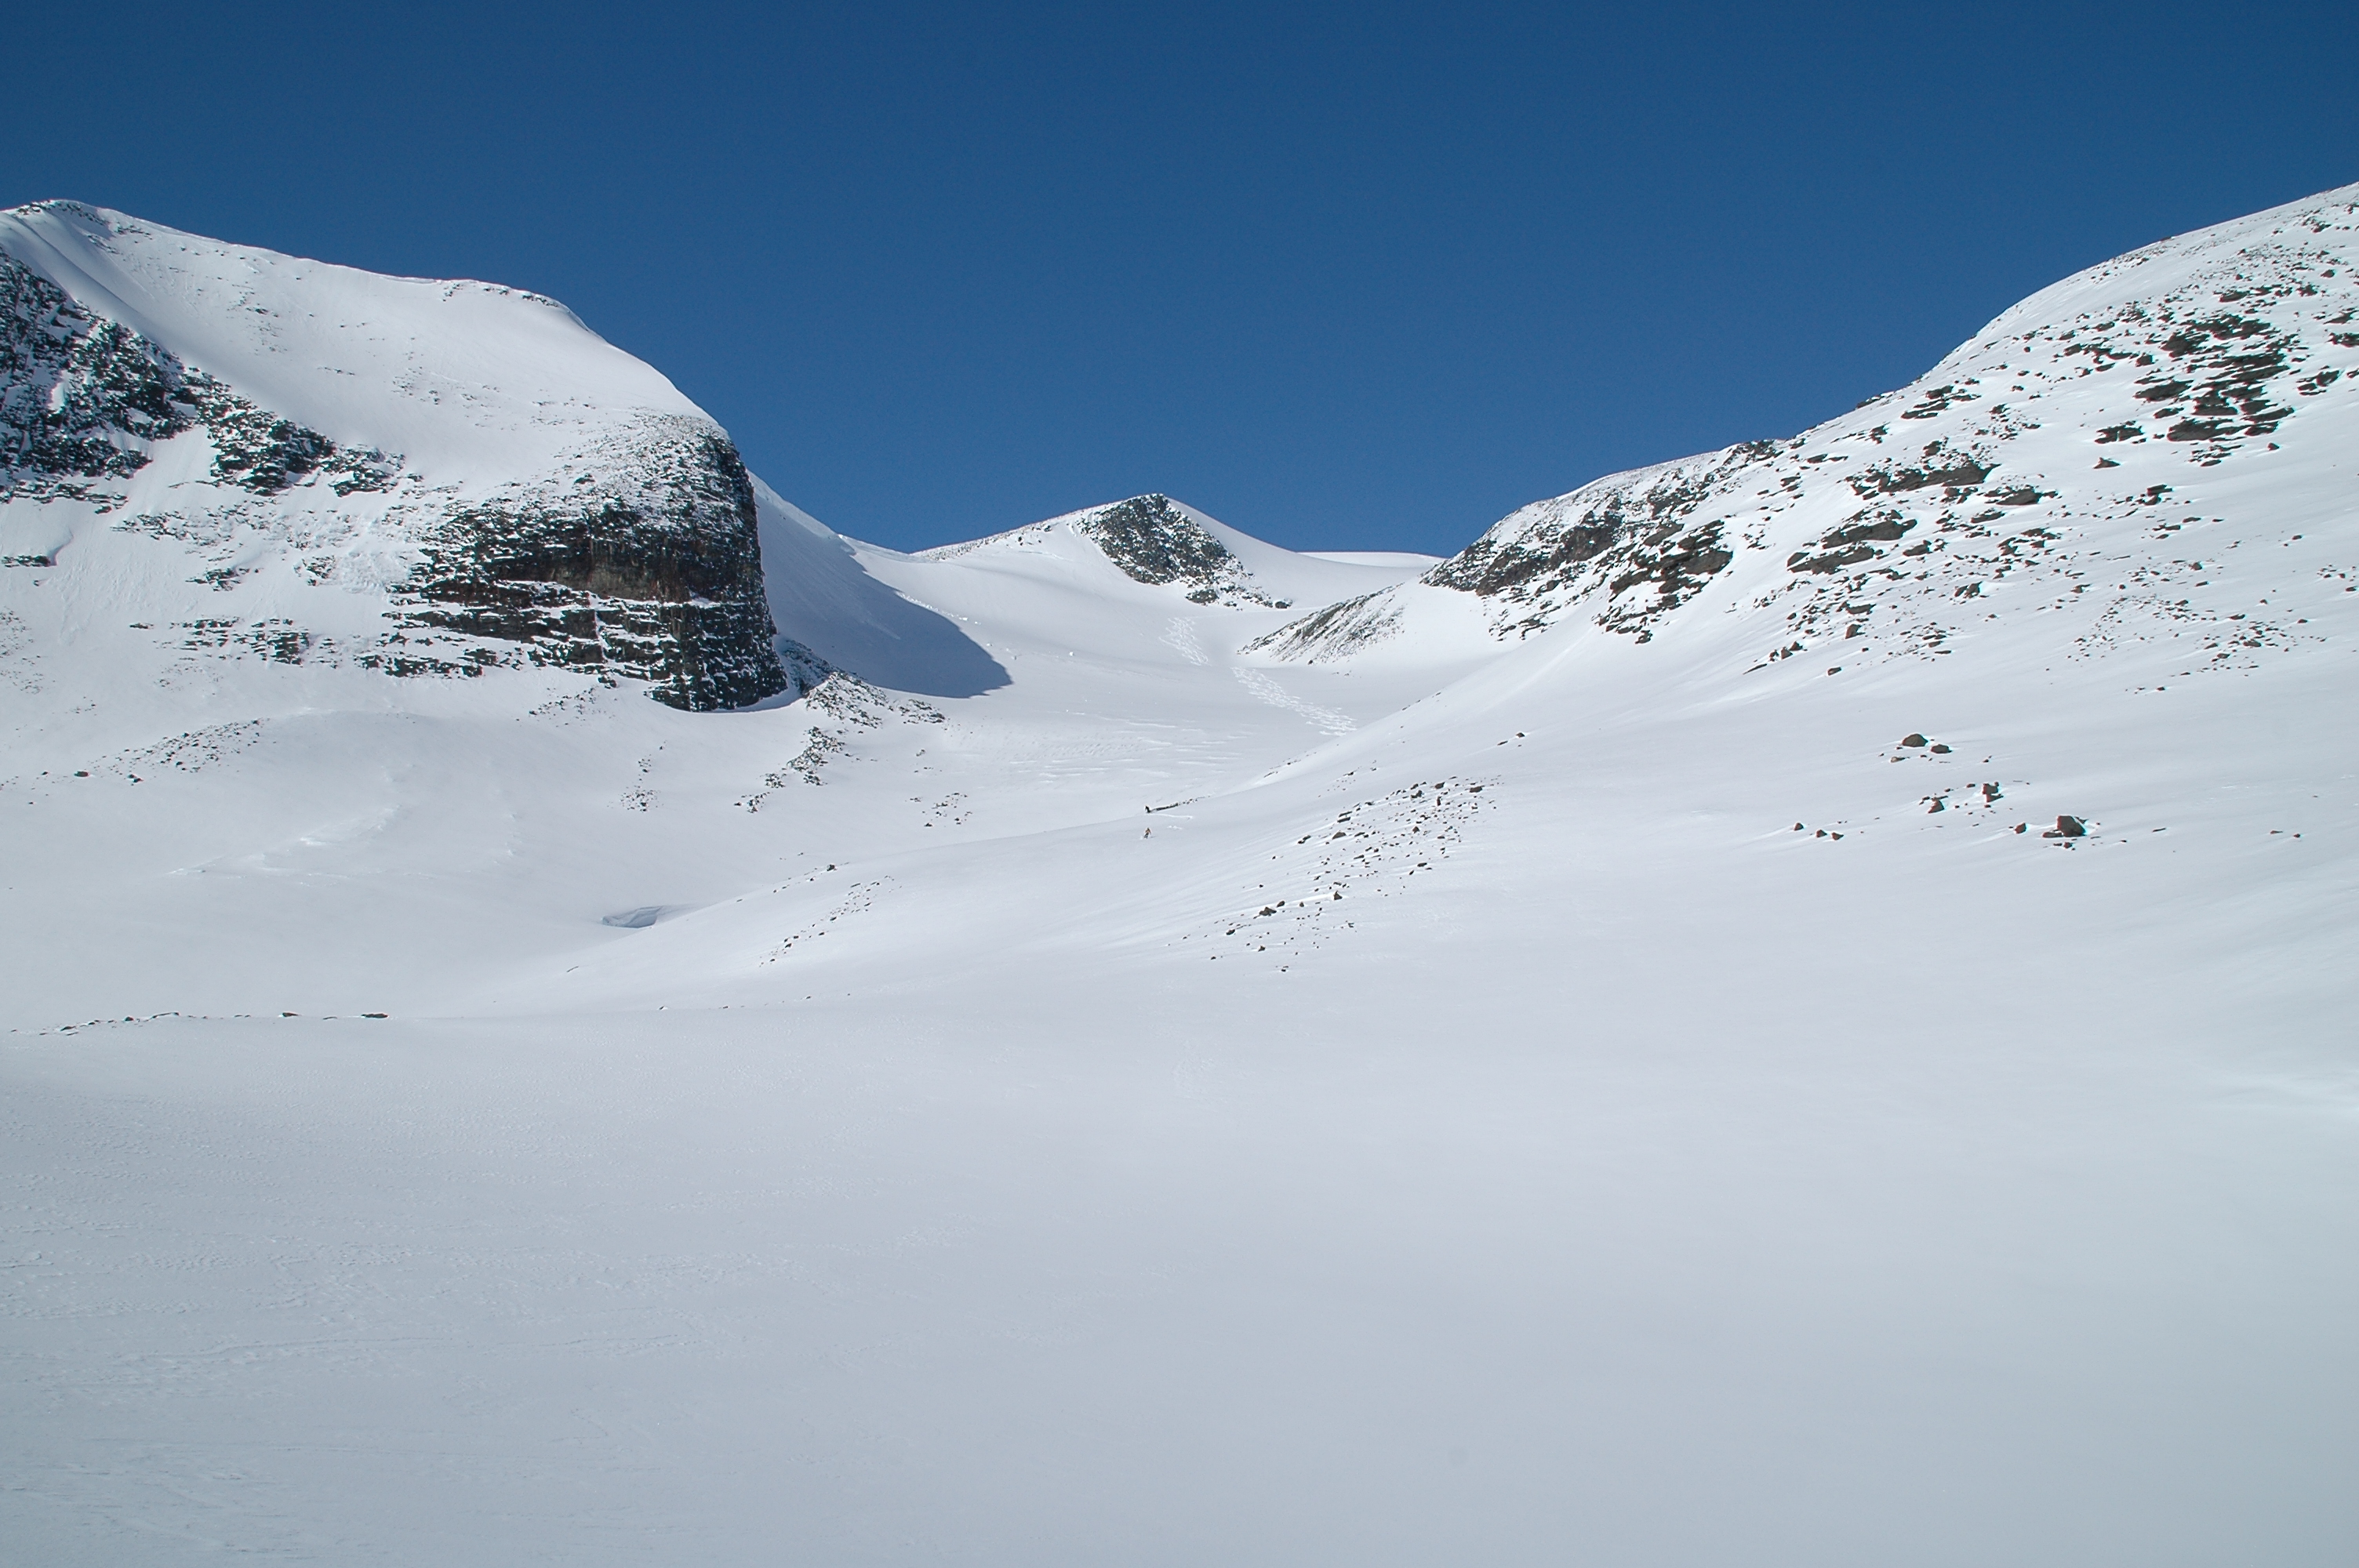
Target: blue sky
{"x":1360,"y":276}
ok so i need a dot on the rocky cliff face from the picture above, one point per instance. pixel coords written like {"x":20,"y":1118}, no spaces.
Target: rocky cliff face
{"x":652,"y":570}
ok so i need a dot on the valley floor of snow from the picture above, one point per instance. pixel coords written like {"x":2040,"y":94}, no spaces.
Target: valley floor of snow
{"x":970,"y":1163}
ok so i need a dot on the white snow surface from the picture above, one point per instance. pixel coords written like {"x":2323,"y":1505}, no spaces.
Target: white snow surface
{"x":1608,"y":1075}
{"x":461,"y":379}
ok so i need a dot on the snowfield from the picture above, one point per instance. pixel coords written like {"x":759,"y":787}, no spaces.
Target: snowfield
{"x":1787,"y":1007}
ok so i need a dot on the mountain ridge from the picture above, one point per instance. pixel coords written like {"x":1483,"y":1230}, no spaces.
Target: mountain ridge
{"x":2207,"y":378}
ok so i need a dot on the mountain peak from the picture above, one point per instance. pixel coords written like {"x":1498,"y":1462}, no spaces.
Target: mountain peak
{"x":482,"y":473}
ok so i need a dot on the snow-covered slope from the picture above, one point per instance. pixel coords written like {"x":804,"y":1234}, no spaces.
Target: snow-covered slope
{"x":473,"y":475}
{"x":1101,"y":578}
{"x":1790,"y":1007}
{"x":2123,"y":423}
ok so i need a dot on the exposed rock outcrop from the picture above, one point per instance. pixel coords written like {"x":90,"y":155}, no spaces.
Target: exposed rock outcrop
{"x":82,"y":397}
{"x":1153,"y":541}
{"x":1634,"y":539}
{"x":656,"y":575}
{"x":1335,"y":633}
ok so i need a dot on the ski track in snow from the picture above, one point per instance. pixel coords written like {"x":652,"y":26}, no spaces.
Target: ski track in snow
{"x":1265,"y":688}
{"x":1179,"y":635}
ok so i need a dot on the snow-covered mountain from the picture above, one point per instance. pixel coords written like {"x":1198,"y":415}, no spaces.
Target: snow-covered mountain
{"x":1128,"y":563}
{"x":1789,"y":1006}
{"x":470,"y":458}
{"x":2127,"y":415}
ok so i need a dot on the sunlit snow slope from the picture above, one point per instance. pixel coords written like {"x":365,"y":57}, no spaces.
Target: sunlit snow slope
{"x":1790,"y":1007}
{"x":413,"y":477}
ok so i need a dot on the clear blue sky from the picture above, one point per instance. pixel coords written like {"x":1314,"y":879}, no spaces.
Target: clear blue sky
{"x":1351,"y":276}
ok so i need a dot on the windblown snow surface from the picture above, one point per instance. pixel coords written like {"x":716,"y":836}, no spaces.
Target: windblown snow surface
{"x":1789,"y":1008}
